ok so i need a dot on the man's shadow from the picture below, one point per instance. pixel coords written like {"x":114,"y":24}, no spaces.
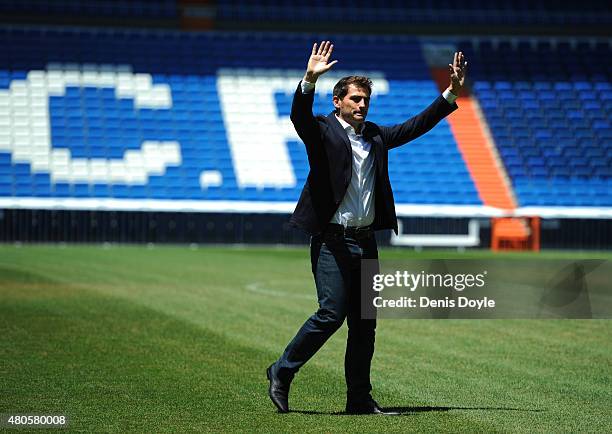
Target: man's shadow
{"x":415,"y":409}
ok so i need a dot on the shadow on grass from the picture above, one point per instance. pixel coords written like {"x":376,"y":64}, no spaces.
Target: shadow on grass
{"x":412,"y":410}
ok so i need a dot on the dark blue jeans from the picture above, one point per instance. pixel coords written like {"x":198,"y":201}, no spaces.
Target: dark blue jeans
{"x":336,"y":265}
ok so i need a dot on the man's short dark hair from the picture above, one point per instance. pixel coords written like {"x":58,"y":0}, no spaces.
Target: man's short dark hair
{"x":341,"y":88}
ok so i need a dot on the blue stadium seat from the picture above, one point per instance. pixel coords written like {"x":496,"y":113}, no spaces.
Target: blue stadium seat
{"x":564,"y":139}
{"x":553,"y":128}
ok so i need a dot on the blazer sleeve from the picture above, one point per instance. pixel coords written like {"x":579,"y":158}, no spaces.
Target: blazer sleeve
{"x":306,"y":124}
{"x":400,"y":134}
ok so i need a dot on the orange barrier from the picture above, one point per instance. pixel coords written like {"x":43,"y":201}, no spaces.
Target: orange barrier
{"x":515,"y":233}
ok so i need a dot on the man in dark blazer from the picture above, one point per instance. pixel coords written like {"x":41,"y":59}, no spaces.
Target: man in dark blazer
{"x":347,"y":197}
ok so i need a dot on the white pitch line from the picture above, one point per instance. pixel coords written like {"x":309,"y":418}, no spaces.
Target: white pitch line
{"x":260,"y":289}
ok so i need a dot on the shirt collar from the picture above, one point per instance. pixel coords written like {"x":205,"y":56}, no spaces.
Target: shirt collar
{"x":348,"y":127}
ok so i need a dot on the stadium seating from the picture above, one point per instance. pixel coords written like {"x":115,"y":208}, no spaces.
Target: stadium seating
{"x":161,"y":115}
{"x":136,"y":114}
{"x":549,"y":109}
{"x":410,"y":12}
{"x":91,"y":8}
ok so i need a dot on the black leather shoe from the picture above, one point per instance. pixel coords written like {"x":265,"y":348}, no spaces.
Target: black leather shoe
{"x":368,"y":407}
{"x":278,"y":391}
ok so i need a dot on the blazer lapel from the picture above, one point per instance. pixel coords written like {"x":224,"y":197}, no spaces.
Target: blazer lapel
{"x":339,"y":130}
{"x":376,"y":143}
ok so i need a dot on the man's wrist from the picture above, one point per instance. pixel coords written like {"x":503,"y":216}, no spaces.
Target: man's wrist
{"x":450,"y":95}
{"x":310,"y":78}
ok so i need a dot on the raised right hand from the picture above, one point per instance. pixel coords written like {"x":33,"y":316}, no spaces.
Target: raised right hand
{"x":317,"y":63}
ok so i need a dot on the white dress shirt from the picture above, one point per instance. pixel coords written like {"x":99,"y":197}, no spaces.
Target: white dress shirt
{"x":357,"y":206}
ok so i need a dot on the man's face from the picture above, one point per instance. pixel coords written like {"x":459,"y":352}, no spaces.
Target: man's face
{"x":353,"y":108}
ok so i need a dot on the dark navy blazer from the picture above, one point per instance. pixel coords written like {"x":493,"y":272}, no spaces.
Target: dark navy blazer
{"x":329,"y":156}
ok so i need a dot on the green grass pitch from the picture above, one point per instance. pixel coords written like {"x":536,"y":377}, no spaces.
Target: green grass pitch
{"x":177,"y":339}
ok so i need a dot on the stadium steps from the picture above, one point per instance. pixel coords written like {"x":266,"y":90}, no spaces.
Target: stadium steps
{"x":475,"y":143}
{"x":476,"y":148}
{"x":197,"y":14}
